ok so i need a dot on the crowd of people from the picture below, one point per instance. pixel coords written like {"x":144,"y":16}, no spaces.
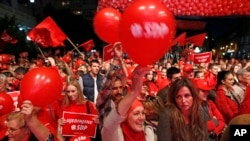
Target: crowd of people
{"x":129,"y":102}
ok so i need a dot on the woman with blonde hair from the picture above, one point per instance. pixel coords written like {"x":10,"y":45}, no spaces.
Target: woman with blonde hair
{"x":74,"y":101}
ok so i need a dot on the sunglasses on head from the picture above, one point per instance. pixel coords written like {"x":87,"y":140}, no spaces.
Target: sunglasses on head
{"x":153,"y":99}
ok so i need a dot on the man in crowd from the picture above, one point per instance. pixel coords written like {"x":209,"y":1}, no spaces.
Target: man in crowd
{"x":92,"y":81}
{"x":243,"y":77}
{"x":211,"y":75}
{"x":173,"y":74}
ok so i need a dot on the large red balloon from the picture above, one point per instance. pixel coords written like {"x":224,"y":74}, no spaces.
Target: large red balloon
{"x":146,"y":31}
{"x":41,"y":86}
{"x":2,"y":122}
{"x":6,"y":103}
{"x":106,"y":24}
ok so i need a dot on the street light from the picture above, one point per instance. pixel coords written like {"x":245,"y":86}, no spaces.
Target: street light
{"x":33,"y":6}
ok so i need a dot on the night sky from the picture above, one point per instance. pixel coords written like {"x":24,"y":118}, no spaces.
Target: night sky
{"x":79,"y":30}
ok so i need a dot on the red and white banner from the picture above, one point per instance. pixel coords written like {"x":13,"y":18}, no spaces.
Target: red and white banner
{"x":108,"y":52}
{"x":205,"y":57}
{"x":14,"y":96}
{"x":79,"y":124}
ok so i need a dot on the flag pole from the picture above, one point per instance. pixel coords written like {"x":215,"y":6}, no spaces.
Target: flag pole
{"x":73,"y":49}
{"x":74,"y":45}
{"x":40,"y":50}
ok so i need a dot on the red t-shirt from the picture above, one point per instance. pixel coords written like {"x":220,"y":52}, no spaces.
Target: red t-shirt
{"x":45,"y":120}
{"x":81,"y":108}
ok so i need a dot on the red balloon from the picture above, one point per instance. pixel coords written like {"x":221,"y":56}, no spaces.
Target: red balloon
{"x":106,"y":24}
{"x":4,"y":66}
{"x":4,"y":58}
{"x":19,"y":101}
{"x":41,"y":86}
{"x":147,"y":29}
{"x":80,"y":138}
{"x":2,"y":121}
{"x":79,"y":62}
{"x":6,"y":103}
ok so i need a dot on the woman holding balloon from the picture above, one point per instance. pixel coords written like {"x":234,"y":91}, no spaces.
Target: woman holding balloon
{"x":126,"y":123}
{"x":7,"y":106}
{"x":27,"y":125}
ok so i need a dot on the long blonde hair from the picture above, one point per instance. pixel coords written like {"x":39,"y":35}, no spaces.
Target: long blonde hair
{"x":80,"y":97}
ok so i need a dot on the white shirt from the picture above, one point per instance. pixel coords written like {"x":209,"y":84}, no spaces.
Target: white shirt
{"x":95,"y":90}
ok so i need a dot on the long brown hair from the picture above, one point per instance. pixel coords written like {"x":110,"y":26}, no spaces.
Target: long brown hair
{"x":180,"y":131}
{"x":80,"y":98}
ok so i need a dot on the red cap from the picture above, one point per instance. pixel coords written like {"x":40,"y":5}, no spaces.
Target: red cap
{"x":202,"y":84}
{"x":188,"y":68}
{"x":80,"y":138}
{"x":181,"y":62}
{"x":79,"y":62}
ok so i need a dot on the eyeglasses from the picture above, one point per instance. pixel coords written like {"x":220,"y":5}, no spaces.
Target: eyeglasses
{"x":11,"y":130}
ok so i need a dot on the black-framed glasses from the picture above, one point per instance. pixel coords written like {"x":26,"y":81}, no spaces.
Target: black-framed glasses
{"x":12,"y":130}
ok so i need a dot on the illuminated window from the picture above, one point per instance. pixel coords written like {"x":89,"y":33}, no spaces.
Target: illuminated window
{"x":77,"y":12}
{"x":65,"y":3}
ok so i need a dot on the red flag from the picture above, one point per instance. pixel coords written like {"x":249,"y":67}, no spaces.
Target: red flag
{"x":197,"y":40}
{"x":88,"y":45}
{"x":108,"y":52}
{"x":180,"y":39}
{"x":7,"y":38}
{"x":47,"y":33}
